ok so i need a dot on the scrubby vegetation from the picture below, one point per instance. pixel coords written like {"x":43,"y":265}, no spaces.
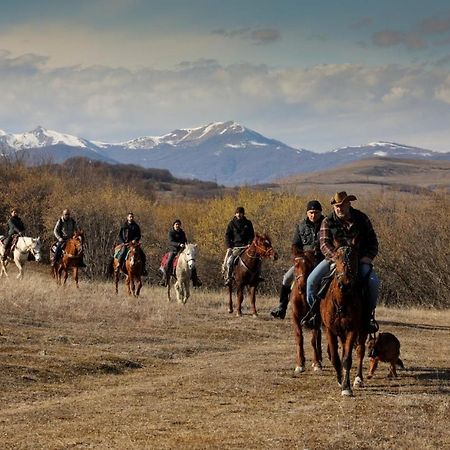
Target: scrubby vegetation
{"x":413,"y":229}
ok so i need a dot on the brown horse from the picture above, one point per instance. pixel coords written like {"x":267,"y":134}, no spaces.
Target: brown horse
{"x":303,"y":266}
{"x":71,"y":258}
{"x":246,"y":271}
{"x":342,"y":315}
{"x":133,"y":269}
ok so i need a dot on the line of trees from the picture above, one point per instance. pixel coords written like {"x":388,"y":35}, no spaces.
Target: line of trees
{"x":413,"y":229}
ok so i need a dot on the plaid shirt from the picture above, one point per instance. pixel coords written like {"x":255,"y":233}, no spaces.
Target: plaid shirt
{"x":369,"y":246}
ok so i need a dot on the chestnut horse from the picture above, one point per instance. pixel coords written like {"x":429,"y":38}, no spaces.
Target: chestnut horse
{"x":247,"y":269}
{"x":71,"y":258}
{"x":133,"y":268}
{"x":342,"y":315}
{"x":303,"y":266}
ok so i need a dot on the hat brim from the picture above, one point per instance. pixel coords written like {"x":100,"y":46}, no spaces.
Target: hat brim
{"x":349,"y":198}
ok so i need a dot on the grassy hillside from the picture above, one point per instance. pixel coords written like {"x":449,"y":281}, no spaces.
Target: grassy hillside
{"x":412,"y":227}
{"x":88,"y":369}
{"x":375,"y":175}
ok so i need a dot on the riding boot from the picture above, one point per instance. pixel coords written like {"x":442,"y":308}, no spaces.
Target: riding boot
{"x":372,"y":324}
{"x":310,"y":319}
{"x":195,"y":279}
{"x":280,"y":311}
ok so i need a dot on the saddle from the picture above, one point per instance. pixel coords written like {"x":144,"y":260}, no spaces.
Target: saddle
{"x":164,"y":261}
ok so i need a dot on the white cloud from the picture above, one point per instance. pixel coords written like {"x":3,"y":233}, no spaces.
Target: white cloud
{"x":318,"y":108}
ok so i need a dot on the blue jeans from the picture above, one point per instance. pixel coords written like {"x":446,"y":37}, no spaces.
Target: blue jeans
{"x":323,"y":268}
{"x":288,"y":277}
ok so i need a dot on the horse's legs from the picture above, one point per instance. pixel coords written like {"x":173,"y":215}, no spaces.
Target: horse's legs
{"x":252,"y":294}
{"x":360,"y":351}
{"x":116,"y":278}
{"x":230,"y":295}
{"x":75,"y":275}
{"x":132,"y":285}
{"x":298,"y":332}
{"x":334,"y":354}
{"x":316,"y":342}
{"x":169,"y":282}
{"x":240,"y":298}
{"x":187,"y":288}
{"x":3,"y":269}
{"x":128,"y":281}
{"x":139,"y":286}
{"x":20,"y":267}
{"x":347,"y":350}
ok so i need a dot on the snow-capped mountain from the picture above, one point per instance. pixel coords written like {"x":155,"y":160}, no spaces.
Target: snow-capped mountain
{"x":41,"y":144}
{"x":225,"y":152}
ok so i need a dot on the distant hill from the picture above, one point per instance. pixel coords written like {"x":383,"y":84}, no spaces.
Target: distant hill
{"x":374,"y":174}
{"x":224,"y":152}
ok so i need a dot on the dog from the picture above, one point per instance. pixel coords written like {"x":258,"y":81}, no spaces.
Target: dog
{"x":386,"y":348}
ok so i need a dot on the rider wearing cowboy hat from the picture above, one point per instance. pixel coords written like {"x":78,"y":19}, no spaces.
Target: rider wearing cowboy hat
{"x":343,"y":226}
{"x":15,"y":227}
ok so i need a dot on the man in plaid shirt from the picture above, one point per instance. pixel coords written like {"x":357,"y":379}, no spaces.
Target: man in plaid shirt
{"x":342,"y":226}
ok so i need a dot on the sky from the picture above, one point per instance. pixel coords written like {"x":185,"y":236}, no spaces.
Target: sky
{"x":314,"y":74}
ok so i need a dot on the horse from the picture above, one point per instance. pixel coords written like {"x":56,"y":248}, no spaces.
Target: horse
{"x":185,"y":263}
{"x":246,"y":271}
{"x":71,"y":258}
{"x":23,"y":247}
{"x":303,"y":266}
{"x":133,"y":268}
{"x":342,"y":316}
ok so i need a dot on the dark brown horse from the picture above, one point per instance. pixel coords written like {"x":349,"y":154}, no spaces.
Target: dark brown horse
{"x":72,"y":258}
{"x":247,"y":270}
{"x":133,"y":268}
{"x":342,"y":316}
{"x":303,"y":266}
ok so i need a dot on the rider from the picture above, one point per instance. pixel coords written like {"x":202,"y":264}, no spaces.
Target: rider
{"x":306,"y":237}
{"x":130,"y":232}
{"x":177,"y":242}
{"x":239,"y":234}
{"x":15,"y":228}
{"x":64,"y":229}
{"x":341,"y":227}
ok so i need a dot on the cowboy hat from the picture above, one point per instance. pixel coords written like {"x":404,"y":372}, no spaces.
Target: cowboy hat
{"x":341,"y":197}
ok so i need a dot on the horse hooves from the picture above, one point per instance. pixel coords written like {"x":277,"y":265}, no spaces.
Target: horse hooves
{"x":298,"y":370}
{"x":347,"y":393}
{"x":255,"y":314}
{"x":317,"y":367}
{"x":238,"y":314}
{"x":358,"y":383}
{"x":230,"y":311}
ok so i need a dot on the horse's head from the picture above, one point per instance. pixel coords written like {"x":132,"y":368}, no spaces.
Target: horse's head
{"x":35,"y":248}
{"x":134,"y":253}
{"x":303,"y":266}
{"x":346,"y":259}
{"x":190,"y":252}
{"x":263,"y":246}
{"x":74,"y":246}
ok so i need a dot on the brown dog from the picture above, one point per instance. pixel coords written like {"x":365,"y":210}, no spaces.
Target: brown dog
{"x":386,"y":348}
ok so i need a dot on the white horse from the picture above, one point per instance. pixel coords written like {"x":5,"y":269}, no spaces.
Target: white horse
{"x":183,"y":272}
{"x":24,"y":246}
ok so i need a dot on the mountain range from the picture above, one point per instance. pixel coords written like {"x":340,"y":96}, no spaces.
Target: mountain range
{"x":225,"y":152}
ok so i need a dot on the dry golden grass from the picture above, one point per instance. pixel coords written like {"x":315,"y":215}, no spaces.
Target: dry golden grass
{"x":89,"y":369}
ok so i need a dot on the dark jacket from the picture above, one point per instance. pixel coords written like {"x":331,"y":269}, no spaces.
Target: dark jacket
{"x":129,"y":232}
{"x":306,"y":237}
{"x":175,"y":239}
{"x":15,"y":226}
{"x":65,"y":228}
{"x":358,"y":229}
{"x":239,"y":233}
